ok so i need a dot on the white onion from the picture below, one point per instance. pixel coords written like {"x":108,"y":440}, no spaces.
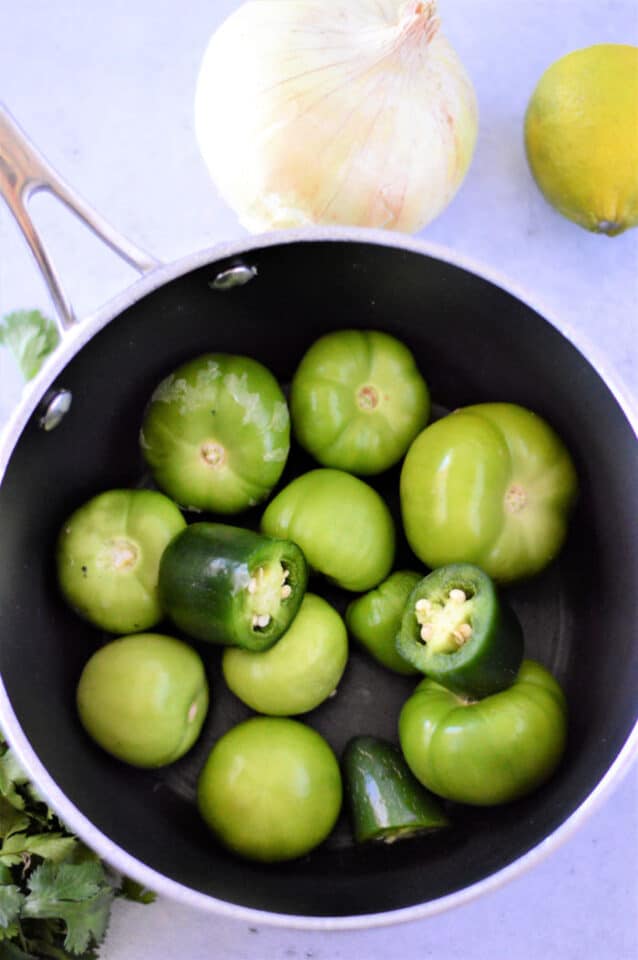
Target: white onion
{"x":334,"y":112}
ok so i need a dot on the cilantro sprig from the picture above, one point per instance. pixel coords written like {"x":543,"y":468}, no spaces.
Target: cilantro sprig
{"x":55,"y":894}
{"x":30,"y":337}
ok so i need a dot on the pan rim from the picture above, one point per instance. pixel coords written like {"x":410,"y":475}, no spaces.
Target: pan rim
{"x":29,"y":401}
{"x":85,"y":329}
{"x":152,"y":879}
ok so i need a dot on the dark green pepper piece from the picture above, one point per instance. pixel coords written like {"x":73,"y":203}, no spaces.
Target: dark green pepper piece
{"x":374,"y":618}
{"x":385,"y":800}
{"x":232,"y":586}
{"x":457,"y":631}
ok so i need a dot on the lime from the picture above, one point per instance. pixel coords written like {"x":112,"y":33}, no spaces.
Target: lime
{"x":581,"y":136}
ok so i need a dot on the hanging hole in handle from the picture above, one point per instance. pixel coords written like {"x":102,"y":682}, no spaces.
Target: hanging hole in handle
{"x":24,"y":172}
{"x":69,"y":243}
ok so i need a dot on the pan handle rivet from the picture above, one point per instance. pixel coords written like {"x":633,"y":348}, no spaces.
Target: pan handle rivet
{"x":236,"y":276}
{"x":54,"y":409}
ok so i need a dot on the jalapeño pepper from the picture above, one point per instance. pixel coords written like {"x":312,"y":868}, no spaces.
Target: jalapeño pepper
{"x":232,"y":586}
{"x":385,"y":799}
{"x":456,"y":630}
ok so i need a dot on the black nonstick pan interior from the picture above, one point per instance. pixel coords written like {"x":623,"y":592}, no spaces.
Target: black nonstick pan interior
{"x":474,"y":342}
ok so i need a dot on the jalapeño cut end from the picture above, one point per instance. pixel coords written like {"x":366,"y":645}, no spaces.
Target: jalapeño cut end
{"x":458,"y":631}
{"x":232,"y":586}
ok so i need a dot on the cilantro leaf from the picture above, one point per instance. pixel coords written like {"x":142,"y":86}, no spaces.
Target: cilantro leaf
{"x":11,"y":901}
{"x":30,"y":337}
{"x":11,"y":777}
{"x":78,"y":894}
{"x":51,"y":846}
{"x":135,"y":892}
{"x":11,"y":819}
{"x":38,"y":805}
{"x":55,"y":892}
{"x":66,"y":882}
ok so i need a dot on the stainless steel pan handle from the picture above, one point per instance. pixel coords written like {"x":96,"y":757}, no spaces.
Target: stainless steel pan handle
{"x":24,"y":172}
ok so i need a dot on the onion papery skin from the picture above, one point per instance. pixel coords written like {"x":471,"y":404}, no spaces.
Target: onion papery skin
{"x":354,"y":112}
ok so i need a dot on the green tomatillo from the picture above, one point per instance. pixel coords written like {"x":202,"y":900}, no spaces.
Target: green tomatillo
{"x":491,"y":484}
{"x":300,"y":671}
{"x":357,"y":400}
{"x":216,"y":433}
{"x":108,"y":557}
{"x":270,"y":789}
{"x":143,"y":698}
{"x":487,"y":751}
{"x":341,"y":523}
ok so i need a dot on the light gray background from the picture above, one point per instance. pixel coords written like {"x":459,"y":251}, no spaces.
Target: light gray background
{"x":106,"y":91}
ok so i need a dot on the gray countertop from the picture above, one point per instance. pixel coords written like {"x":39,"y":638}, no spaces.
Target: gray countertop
{"x":106,"y":91}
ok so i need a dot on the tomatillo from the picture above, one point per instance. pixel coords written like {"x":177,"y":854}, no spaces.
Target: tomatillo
{"x":357,"y":400}
{"x":216,"y":433}
{"x":143,"y":698}
{"x":374,"y":619}
{"x":492,"y":485}
{"x":300,"y":671}
{"x":341,"y":523}
{"x":457,"y":630}
{"x":227,"y":585}
{"x":108,"y":557}
{"x":486,"y":751}
{"x":270,"y":789}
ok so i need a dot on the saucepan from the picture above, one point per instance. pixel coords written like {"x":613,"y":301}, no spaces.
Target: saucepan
{"x":75,"y":433}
